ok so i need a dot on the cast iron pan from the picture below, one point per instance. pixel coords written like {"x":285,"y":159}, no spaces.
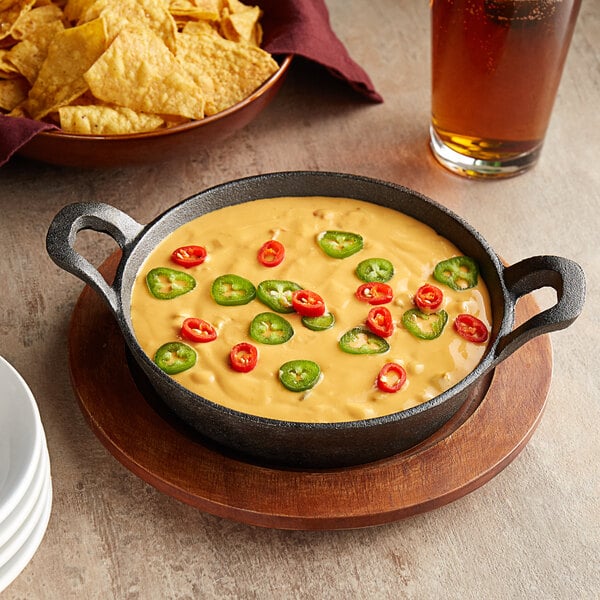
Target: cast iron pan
{"x":319,"y":445}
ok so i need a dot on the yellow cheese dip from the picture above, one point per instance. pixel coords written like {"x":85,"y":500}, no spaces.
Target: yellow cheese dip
{"x":347,"y":389}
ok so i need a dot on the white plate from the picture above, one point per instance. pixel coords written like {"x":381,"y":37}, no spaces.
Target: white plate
{"x":17,"y":517}
{"x":12,"y":546}
{"x":21,"y":434}
{"x":10,"y":570}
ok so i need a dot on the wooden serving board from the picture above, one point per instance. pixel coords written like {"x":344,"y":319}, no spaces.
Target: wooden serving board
{"x":474,"y":447}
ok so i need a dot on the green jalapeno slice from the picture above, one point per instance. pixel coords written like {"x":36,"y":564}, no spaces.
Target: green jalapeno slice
{"x":299,"y":375}
{"x":269,"y":328}
{"x":375,"y":269}
{"x":321,"y":323}
{"x":277,"y":294}
{"x":361,"y":340}
{"x":458,"y":273}
{"x":165,"y":283}
{"x":425,"y":326}
{"x":339,"y":244}
{"x":175,"y":357}
{"x":232,"y":290}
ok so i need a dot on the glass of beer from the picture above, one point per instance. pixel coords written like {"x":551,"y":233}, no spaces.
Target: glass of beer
{"x":496,"y":67}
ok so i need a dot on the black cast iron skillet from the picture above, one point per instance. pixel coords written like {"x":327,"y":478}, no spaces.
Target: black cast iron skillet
{"x":319,"y":445}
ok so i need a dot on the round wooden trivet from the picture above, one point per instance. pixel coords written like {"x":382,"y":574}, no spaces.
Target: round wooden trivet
{"x":474,"y":447}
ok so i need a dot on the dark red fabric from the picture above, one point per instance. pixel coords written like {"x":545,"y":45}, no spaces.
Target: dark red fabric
{"x":299,"y":27}
{"x":15,"y":133}
{"x":302,"y":27}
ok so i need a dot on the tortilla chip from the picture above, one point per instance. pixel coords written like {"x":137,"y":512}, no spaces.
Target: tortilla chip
{"x":7,"y":69}
{"x":75,"y":8}
{"x":13,"y":92}
{"x":208,"y":10}
{"x":70,"y":55}
{"x":10,"y":12}
{"x":197,"y":71}
{"x":35,"y":30}
{"x":118,"y":14}
{"x":105,"y":120}
{"x":235,"y":6}
{"x":236,"y":69}
{"x":39,"y":18}
{"x":59,"y":3}
{"x":138,"y":71}
{"x":27,"y":59}
{"x":198,"y":27}
{"x":18,"y":112}
{"x":29,"y":55}
{"x":174,"y":120}
{"x":242,"y":26}
{"x":118,"y":66}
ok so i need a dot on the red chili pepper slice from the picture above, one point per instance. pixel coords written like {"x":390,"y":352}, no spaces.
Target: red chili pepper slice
{"x":198,"y":330}
{"x":391,"y":377}
{"x":471,"y":328}
{"x":189,"y":256}
{"x":375,"y":292}
{"x":271,"y":253}
{"x":243,"y":357}
{"x":428,"y":298}
{"x":379,"y":321}
{"x":307,"y":303}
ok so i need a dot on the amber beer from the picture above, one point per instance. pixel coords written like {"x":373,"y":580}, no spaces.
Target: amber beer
{"x":496,"y":67}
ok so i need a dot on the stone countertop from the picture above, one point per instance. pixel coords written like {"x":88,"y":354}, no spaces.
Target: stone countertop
{"x":533,"y":531}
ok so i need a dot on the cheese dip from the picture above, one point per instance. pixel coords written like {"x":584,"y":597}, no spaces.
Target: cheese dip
{"x":347,"y":388}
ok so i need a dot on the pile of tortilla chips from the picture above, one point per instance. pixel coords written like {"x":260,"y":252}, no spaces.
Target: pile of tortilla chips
{"x":108,"y":67}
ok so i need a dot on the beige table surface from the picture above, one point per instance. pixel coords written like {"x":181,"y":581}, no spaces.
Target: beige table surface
{"x":531,"y":532}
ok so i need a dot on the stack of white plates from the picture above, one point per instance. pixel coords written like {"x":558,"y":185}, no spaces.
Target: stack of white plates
{"x":25,"y":482}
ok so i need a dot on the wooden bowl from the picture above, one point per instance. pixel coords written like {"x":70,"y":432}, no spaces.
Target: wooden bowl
{"x":78,"y":150}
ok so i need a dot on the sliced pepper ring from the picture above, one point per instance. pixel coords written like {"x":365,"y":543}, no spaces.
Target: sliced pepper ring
{"x":243,"y":357}
{"x":339,"y":244}
{"x":271,"y":253}
{"x":428,"y":298}
{"x":198,"y":330}
{"x":165,"y":283}
{"x":391,"y":378}
{"x":232,"y":290}
{"x":458,"y":273}
{"x":175,"y":357}
{"x":380,"y":321}
{"x":189,"y":256}
{"x":425,"y":326}
{"x":471,"y":328}
{"x":270,"y":328}
{"x":322,"y":323}
{"x":308,"y":303}
{"x":360,"y":340}
{"x":299,"y":375}
{"x":375,"y":269}
{"x":277,"y":294}
{"x":375,"y":293}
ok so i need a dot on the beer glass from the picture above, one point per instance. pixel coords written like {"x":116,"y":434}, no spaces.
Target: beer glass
{"x":496,"y":67}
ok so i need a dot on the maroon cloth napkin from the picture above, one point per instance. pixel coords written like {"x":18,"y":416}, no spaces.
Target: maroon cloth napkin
{"x":302,"y":27}
{"x":15,"y":133}
{"x":299,"y":27}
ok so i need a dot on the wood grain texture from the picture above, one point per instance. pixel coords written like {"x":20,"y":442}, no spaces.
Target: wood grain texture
{"x":129,"y":419}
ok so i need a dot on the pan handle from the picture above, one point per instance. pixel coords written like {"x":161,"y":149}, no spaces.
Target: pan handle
{"x":72,"y":219}
{"x":564,"y":276}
